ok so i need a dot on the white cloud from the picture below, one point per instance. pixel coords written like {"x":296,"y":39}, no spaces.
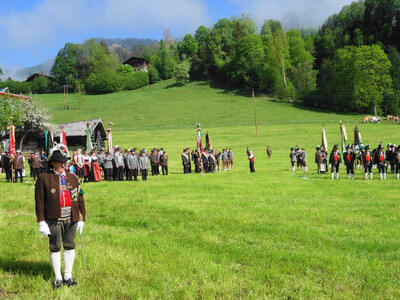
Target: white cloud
{"x":53,"y":20}
{"x":292,"y":13}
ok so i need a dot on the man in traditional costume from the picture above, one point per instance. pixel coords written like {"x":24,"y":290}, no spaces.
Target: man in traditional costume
{"x":60,"y":213}
{"x":381,"y":161}
{"x":349,"y":158}
{"x":367,"y":162}
{"x":335,"y":160}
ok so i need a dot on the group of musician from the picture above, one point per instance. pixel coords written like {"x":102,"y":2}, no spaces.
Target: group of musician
{"x":207,"y":160}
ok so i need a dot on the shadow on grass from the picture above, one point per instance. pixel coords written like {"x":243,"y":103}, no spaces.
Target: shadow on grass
{"x":30,"y":268}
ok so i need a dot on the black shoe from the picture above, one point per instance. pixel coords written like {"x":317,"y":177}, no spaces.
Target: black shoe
{"x":70,"y":282}
{"x":57,"y":283}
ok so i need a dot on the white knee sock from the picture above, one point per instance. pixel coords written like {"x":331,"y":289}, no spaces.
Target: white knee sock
{"x":337,"y":176}
{"x":55,"y":259}
{"x":69,"y":256}
{"x":372,"y":175}
{"x":384,"y":176}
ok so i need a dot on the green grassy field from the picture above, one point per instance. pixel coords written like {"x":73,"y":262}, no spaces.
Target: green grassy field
{"x":231,"y":234}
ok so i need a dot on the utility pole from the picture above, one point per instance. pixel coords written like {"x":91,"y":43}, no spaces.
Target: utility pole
{"x":255,"y":113}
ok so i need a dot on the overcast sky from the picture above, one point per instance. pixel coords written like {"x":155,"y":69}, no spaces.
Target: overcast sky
{"x":32,"y":31}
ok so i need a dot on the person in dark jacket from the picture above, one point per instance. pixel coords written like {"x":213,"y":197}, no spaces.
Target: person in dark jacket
{"x":381,"y":161}
{"x":349,"y":158}
{"x":60,"y":213}
{"x":335,"y":160}
{"x":367,"y":162}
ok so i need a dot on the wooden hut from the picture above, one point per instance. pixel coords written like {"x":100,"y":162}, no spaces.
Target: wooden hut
{"x":137,"y":63}
{"x":76,"y":133}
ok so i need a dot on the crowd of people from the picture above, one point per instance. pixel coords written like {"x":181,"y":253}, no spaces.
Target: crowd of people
{"x":207,"y":160}
{"x":298,"y":159}
{"x":360,"y":157}
{"x":119,"y":165}
{"x":91,"y":166}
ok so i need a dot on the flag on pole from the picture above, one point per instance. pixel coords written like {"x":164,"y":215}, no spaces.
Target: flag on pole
{"x":48,"y":144}
{"x":199,"y":141}
{"x":343,"y":136}
{"x":109,"y":144}
{"x":11,"y":148}
{"x":324,"y":141}
{"x":89,"y":145}
{"x":208,"y":141}
{"x":63,"y":137}
{"x":357,"y":137}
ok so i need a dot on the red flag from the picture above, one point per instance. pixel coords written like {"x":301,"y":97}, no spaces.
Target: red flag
{"x":11,"y":148}
{"x":63,"y":137}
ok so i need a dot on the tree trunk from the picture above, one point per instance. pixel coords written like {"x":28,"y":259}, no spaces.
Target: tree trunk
{"x":283,"y":71}
{"x":22,"y":139}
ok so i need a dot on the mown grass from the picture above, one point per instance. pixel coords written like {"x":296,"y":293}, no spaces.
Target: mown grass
{"x":231,"y":234}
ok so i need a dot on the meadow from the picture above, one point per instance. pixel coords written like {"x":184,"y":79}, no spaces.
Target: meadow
{"x":269,"y":235}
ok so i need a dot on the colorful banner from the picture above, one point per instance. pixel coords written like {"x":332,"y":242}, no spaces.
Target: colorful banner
{"x":109,"y":144}
{"x":11,"y":148}
{"x":324,"y":142}
{"x":63,"y":137}
{"x":48,"y":144}
{"x":343,"y":136}
{"x":357,"y":137}
{"x":89,"y":145}
{"x":208,"y":141}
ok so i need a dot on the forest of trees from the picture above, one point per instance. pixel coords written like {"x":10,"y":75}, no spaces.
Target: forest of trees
{"x":351,"y":64}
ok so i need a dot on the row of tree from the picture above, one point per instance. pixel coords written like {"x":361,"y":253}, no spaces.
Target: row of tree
{"x":357,"y":59}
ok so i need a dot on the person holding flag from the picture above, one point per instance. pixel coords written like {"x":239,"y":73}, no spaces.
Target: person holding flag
{"x":335,"y":160}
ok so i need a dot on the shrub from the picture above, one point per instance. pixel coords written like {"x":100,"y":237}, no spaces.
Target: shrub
{"x":135,"y":80}
{"x":154,"y":76}
{"x":101,"y":83}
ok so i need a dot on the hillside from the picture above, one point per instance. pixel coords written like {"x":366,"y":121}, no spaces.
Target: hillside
{"x":225,"y":235}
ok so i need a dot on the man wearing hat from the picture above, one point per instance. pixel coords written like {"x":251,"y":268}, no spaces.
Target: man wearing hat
{"x":6,"y":164}
{"x":335,"y":160}
{"x":367,"y":162}
{"x":19,"y":164}
{"x":349,"y":158}
{"x":397,"y":162}
{"x":144,"y":164}
{"x":381,"y":160}
{"x":60,"y":213}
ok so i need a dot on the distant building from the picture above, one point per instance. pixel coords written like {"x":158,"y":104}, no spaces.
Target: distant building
{"x":76,"y":135}
{"x":137,"y":63}
{"x":37,"y":75}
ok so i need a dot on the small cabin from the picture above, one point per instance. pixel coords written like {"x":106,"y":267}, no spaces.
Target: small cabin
{"x":76,"y":133}
{"x":138,"y":64}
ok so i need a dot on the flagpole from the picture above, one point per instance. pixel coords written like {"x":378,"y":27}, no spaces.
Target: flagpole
{"x":255,"y":113}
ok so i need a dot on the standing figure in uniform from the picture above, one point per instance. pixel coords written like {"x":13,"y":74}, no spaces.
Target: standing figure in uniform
{"x":367,"y":162}
{"x":119,"y":164}
{"x":397,"y":162}
{"x":349,"y":158}
{"x":108,"y":166}
{"x":335,"y":160}
{"x":19,"y":164}
{"x":319,"y":160}
{"x":381,"y":160}
{"x":185,"y":161}
{"x":60,"y":212}
{"x":164,"y":163}
{"x":250,"y":157}
{"x":144,"y":164}
{"x":293,"y":159}
{"x":6,"y":164}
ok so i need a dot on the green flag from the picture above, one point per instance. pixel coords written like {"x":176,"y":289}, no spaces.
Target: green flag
{"x":89,"y":145}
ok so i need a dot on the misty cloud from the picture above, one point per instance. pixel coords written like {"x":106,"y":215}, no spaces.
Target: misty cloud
{"x":292,"y":13}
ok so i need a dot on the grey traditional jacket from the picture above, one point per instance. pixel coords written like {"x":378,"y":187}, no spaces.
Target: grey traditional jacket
{"x":132,"y":161}
{"x":144,"y":162}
